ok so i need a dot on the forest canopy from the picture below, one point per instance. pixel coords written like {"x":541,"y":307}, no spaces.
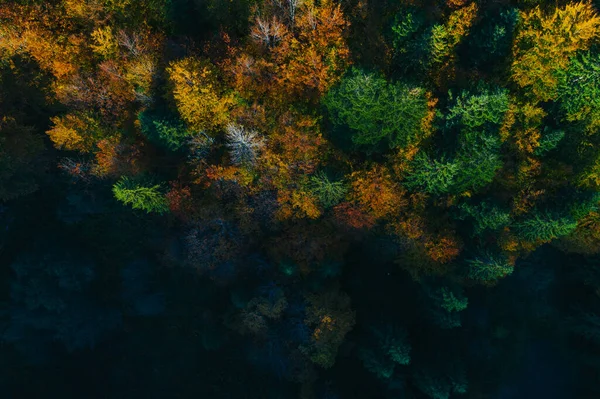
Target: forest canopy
{"x":300,"y":199}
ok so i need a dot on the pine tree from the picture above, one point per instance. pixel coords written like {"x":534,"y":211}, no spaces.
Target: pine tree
{"x":545,"y":227}
{"x":163,"y":131}
{"x":329,"y":192}
{"x":140,"y":195}
{"x":579,"y":90}
{"x":432,"y":176}
{"x":378,"y":113}
{"x":487,"y":268}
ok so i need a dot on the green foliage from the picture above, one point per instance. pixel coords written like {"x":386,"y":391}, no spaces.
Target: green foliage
{"x":389,"y":347}
{"x":394,"y":343}
{"x":432,"y":176}
{"x":478,"y":111}
{"x":441,"y":44}
{"x":140,"y":195}
{"x":477,"y":116}
{"x":381,"y":366}
{"x":164,"y":132}
{"x":545,"y":226}
{"x":477,"y":159}
{"x":485,"y":216}
{"x":470,"y":170}
{"x":477,"y":164}
{"x":406,"y":25}
{"x":581,"y":204}
{"x":549,"y":141}
{"x":441,"y":385}
{"x":490,"y":41}
{"x":329,"y":192}
{"x":451,"y":301}
{"x":410,"y":39}
{"x":377,"y":112}
{"x":445,"y":305}
{"x":487,"y":268}
{"x":579,"y":89}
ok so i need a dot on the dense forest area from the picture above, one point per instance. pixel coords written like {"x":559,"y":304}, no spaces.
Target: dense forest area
{"x":310,"y":199}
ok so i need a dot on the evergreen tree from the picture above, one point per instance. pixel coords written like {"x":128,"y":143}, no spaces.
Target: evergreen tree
{"x":329,"y":192}
{"x":140,"y":195}
{"x":545,"y":226}
{"x":379,"y":113}
{"x":485,"y":216}
{"x":579,"y":90}
{"x":432,"y":176}
{"x":487,"y":268}
{"x":163,"y":132}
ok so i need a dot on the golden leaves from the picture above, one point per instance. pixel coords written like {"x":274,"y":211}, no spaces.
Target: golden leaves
{"x":544,"y":44}
{"x":199,"y":96}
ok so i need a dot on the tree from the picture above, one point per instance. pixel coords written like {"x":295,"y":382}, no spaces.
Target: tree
{"x":432,"y":176}
{"x":105,"y":42}
{"x":483,"y":110}
{"x":387,"y":348}
{"x":378,"y":113}
{"x":579,"y":90}
{"x":487,"y":268}
{"x":441,"y":383}
{"x":477,"y":118}
{"x":76,"y":132}
{"x":545,"y":226}
{"x":330,"y":319}
{"x":199,"y":95}
{"x":549,"y":141}
{"x":377,"y":193}
{"x":490,"y":40}
{"x":329,"y":192}
{"x":409,"y":40}
{"x":478,"y":160}
{"x":244,"y":145}
{"x":445,"y":304}
{"x":164,"y":132}
{"x":545,"y":43}
{"x":445,"y":38}
{"x":141,"y":195}
{"x":297,"y":52}
{"x":322,"y":55}
{"x":485,"y":216}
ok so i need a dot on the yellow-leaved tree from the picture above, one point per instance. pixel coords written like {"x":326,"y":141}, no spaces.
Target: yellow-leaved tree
{"x":444,"y":41}
{"x":75,"y":132}
{"x":545,"y":42}
{"x":445,"y":38}
{"x":199,"y":94}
